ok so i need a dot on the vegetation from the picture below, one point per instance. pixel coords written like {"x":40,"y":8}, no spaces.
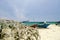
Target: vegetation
{"x":13,"y":30}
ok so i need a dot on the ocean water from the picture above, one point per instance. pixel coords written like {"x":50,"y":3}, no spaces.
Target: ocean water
{"x":40,"y":24}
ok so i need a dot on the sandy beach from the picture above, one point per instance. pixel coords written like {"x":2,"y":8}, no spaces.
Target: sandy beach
{"x":16,"y":30}
{"x":51,"y":33}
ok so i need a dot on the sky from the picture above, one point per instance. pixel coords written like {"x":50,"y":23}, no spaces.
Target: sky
{"x":32,"y":10}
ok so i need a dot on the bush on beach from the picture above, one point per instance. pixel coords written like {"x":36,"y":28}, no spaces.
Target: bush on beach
{"x":13,"y":30}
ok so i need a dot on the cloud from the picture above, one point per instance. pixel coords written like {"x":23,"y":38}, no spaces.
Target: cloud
{"x":29,"y":9}
{"x":19,"y":12}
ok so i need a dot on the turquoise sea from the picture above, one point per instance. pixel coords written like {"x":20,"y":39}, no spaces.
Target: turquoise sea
{"x":40,"y":24}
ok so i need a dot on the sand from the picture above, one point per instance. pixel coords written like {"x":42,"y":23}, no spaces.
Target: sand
{"x":15,"y":30}
{"x":51,"y":33}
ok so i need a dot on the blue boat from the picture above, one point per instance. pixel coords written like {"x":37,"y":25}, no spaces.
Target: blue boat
{"x":43,"y":25}
{"x":39,"y":24}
